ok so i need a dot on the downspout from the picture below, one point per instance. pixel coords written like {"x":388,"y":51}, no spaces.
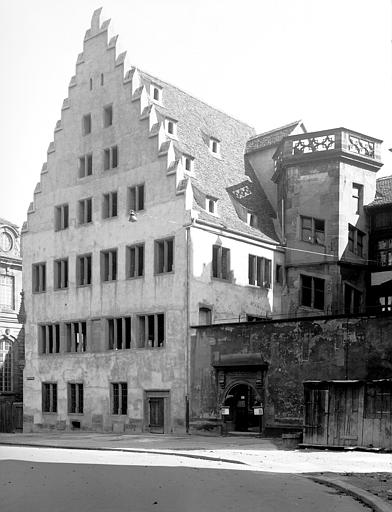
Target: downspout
{"x":188,"y":334}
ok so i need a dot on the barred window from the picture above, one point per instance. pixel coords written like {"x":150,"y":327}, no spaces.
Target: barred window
{"x":76,"y":335}
{"x":75,"y":398}
{"x":49,"y":338}
{"x":151,"y":331}
{"x":119,"y":398}
{"x":119,"y":333}
{"x":49,"y":397}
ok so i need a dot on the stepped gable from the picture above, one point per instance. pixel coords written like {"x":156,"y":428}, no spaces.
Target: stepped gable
{"x":383,"y":193}
{"x":213,"y":176}
{"x":272,"y":137}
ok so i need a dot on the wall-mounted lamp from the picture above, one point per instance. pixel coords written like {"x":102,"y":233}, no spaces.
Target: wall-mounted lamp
{"x":132,"y":216}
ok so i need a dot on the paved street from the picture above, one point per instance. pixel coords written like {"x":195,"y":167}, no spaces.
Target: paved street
{"x":57,"y":480}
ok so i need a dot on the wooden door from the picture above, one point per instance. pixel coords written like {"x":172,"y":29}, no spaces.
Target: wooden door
{"x":345,"y":418}
{"x":157,"y":415}
{"x":316,"y":416}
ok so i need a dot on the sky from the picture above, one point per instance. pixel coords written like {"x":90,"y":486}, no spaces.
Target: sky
{"x":265,"y":62}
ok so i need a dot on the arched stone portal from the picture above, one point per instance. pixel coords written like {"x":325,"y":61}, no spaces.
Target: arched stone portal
{"x":241,"y":399}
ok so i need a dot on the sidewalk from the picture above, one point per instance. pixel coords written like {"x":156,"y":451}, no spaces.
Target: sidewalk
{"x":371,"y":472}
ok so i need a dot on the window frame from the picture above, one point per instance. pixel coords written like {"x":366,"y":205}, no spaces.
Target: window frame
{"x":7,"y":292}
{"x":118,"y":333}
{"x":84,"y":269}
{"x":39,"y":277}
{"x":312,"y":291}
{"x":154,"y":323}
{"x":108,"y":115}
{"x":356,"y":241}
{"x":60,"y":274}
{"x":74,"y":343}
{"x":49,"y":338}
{"x":85,"y":167}
{"x":110,"y":205}
{"x":259,"y":271}
{"x":109,"y":265}
{"x":134,"y":260}
{"x":78,"y":403}
{"x":110,"y":158}
{"x":86,"y":124}
{"x":221,"y":268}
{"x":85,"y":211}
{"x":136,"y":198}
{"x":164,"y":255}
{"x":357,"y":195}
{"x":312,"y":229}
{"x":49,"y":391}
{"x":61,"y":217}
{"x":122,"y":394}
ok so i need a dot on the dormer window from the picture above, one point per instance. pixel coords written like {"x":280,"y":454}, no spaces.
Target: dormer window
{"x":171,"y":127}
{"x":188,"y":163}
{"x":156,"y":93}
{"x":211,"y":203}
{"x":252,"y":219}
{"x":215,"y":146}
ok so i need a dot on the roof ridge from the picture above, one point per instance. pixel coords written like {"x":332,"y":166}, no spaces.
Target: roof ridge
{"x":384,"y":178}
{"x":194,"y":97}
{"x":295,"y":123}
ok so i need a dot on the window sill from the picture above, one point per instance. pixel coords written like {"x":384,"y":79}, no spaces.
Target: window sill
{"x":84,"y":224}
{"x":61,"y":289}
{"x":221,"y":279}
{"x":47,"y":413}
{"x":39,"y":292}
{"x":76,"y":414}
{"x":132,"y":278}
{"x":110,"y":218}
{"x":88,"y":285}
{"x":163,"y":273}
{"x":109,"y":281}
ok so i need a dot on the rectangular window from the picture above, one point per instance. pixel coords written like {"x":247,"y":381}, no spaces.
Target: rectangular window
{"x":352,"y":299}
{"x":75,"y":398}
{"x":119,"y":333}
{"x":86,"y":124}
{"x":259,"y":271}
{"x":205,"y":316}
{"x":313,"y":230}
{"x":7,"y":292}
{"x":312,"y":292}
{"x":357,"y":194}
{"x":220,"y":262}
{"x":119,"y":398}
{"x":211,"y":204}
{"x":164,"y":255}
{"x":214,"y":146}
{"x":385,"y":303}
{"x":109,"y":265}
{"x":384,"y":252}
{"x":83,"y":269}
{"x":61,"y":217}
{"x":39,"y":277}
{"x":279,"y":274}
{"x":6,"y":365}
{"x":85,"y":165}
{"x":110,"y":158}
{"x":136,"y":198}
{"x":188,"y":163}
{"x":355,"y":240}
{"x":109,"y":207}
{"x":61,"y":274}
{"x":107,"y":116}
{"x":49,"y":338}
{"x":151,"y":331}
{"x":85,"y":210}
{"x":135,"y":261}
{"x":49,"y":397}
{"x":76,"y":333}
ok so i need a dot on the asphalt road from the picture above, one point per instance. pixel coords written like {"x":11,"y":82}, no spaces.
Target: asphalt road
{"x":37,"y":479}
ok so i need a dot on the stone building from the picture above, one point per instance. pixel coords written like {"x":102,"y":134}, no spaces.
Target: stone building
{"x":11,"y":332}
{"x":141,"y":222}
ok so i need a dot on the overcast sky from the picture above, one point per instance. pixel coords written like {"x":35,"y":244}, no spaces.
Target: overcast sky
{"x":265,"y":62}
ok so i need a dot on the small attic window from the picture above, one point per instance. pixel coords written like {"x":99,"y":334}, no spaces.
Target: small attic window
{"x":156,"y":93}
{"x":188,"y":163}
{"x":211,"y":204}
{"x":214,"y":146}
{"x":91,"y":84}
{"x":102,"y":79}
{"x":171,"y":127}
{"x":252,"y":219}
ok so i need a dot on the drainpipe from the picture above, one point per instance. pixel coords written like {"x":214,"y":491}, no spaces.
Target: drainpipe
{"x":188,"y":334}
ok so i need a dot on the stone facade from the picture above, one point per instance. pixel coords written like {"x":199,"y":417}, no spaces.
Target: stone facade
{"x":139,"y":228}
{"x":11,"y":329}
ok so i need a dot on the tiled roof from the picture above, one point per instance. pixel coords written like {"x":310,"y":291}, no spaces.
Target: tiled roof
{"x":213,"y":175}
{"x":270,"y":138}
{"x":383,"y":192}
{"x":7,"y":223}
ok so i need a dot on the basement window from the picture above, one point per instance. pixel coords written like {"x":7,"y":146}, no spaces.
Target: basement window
{"x":151,"y":330}
{"x":119,"y":333}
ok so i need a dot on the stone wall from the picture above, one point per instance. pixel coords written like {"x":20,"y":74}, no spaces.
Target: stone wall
{"x":294,"y":351}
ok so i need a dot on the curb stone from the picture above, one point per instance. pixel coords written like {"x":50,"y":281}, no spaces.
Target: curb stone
{"x":376,"y":503}
{"x":131,"y":450}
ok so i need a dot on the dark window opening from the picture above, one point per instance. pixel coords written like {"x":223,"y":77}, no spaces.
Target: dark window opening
{"x":108,"y":116}
{"x":119,"y":398}
{"x":86,"y":124}
{"x":49,"y":397}
{"x":109,"y":265}
{"x":259,"y":271}
{"x":136,"y":198}
{"x":109,"y":205}
{"x":61,"y":217}
{"x":151,"y":330}
{"x":83,"y":269}
{"x":85,"y":210}
{"x":119,"y":333}
{"x":61,"y":274}
{"x":76,"y":333}
{"x":39,"y":277}
{"x":312,"y":292}
{"x":220,"y":262}
{"x":164,"y":255}
{"x":75,"y":401}
{"x":313,"y":230}
{"x":135,"y":260}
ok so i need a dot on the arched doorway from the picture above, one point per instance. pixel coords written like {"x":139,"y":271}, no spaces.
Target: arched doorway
{"x":241,"y":398}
